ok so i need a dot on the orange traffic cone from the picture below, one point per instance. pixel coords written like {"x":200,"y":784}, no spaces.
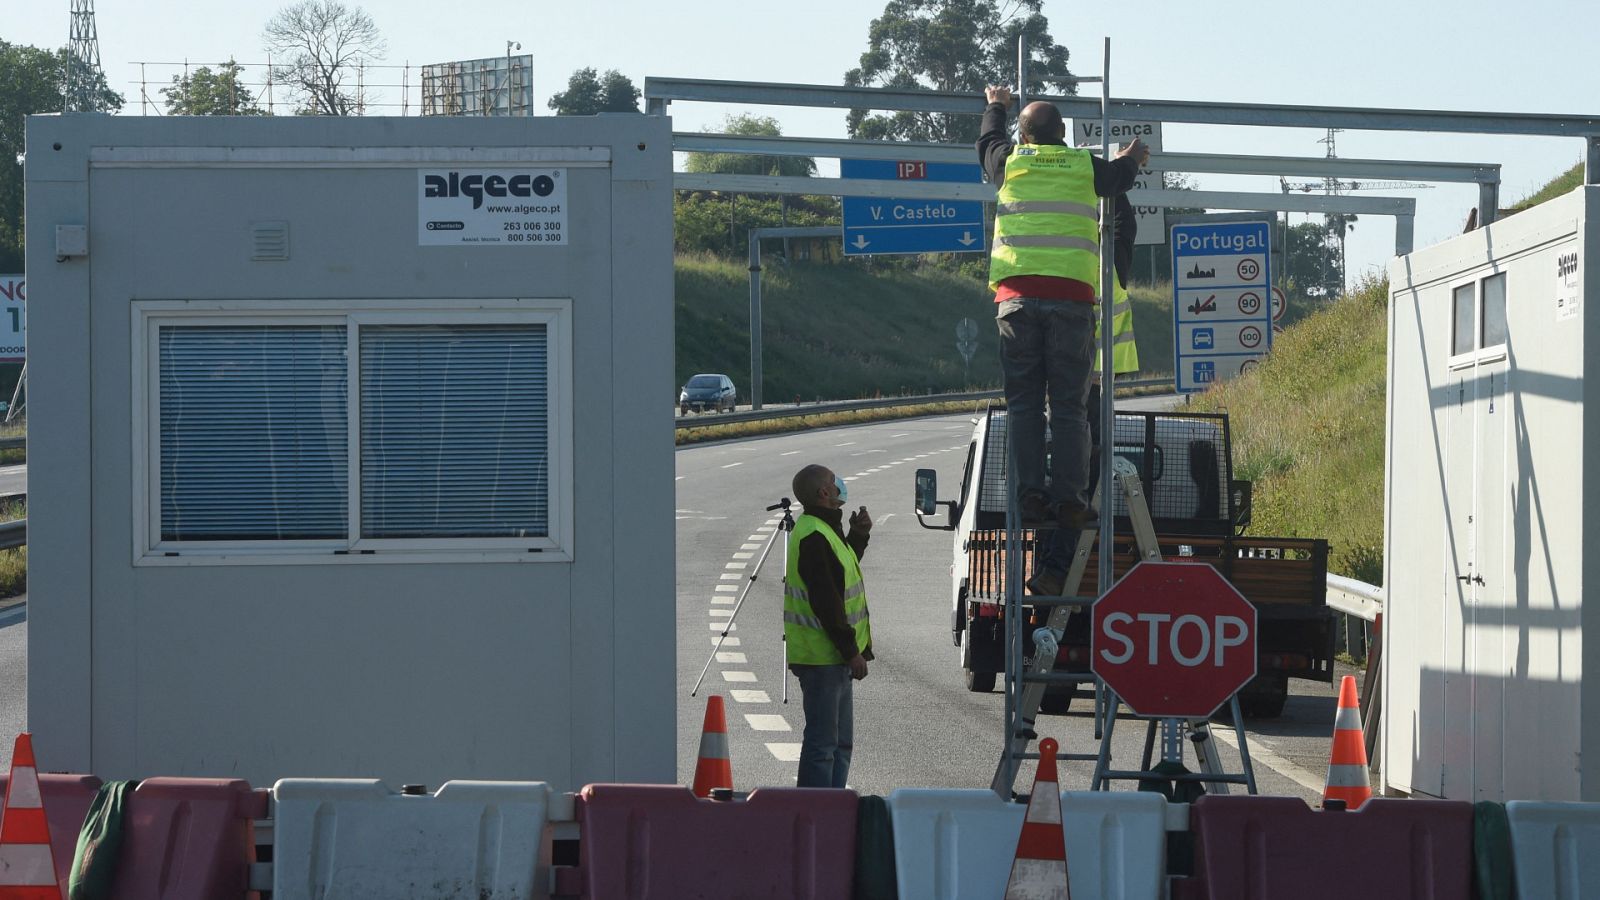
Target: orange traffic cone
{"x":1347,"y":766}
{"x":714,"y":769}
{"x":27,"y":867}
{"x":1039,"y":870}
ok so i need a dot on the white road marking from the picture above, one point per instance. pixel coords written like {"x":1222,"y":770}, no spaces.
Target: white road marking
{"x":731,"y":465}
{"x":736,"y":675}
{"x":766,"y":528}
{"x":731,"y":576}
{"x":790,"y":453}
{"x":785,"y":752}
{"x":728,"y":588}
{"x":1263,"y":756}
{"x":726,"y":642}
{"x":679,"y":478}
{"x":753,"y":545}
{"x":718,"y":626}
{"x":922,"y":456}
{"x":743,"y":555}
{"x":846,"y":444}
{"x":721,"y":613}
{"x":750,"y":696}
{"x":726,"y":657}
{"x":767,"y":722}
{"x":738,"y":565}
{"x":722,"y":598}
{"x":898,"y":462}
{"x":757,"y":537}
{"x":901,"y":434}
{"x":886,"y":517}
{"x":852,"y":478}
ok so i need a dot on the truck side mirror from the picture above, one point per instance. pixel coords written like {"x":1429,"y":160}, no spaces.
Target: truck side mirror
{"x":927,"y":491}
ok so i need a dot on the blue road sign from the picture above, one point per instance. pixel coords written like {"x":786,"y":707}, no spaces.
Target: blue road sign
{"x":1221,"y":309}
{"x":875,"y":225}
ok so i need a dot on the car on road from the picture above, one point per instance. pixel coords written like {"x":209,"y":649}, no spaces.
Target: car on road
{"x":707,"y":392}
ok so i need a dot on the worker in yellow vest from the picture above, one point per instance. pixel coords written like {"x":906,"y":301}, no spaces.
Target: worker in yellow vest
{"x":826,"y":623}
{"x":1044,"y":268}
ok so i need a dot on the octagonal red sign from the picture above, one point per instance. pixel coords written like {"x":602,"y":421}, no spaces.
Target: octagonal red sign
{"x":1174,"y":639}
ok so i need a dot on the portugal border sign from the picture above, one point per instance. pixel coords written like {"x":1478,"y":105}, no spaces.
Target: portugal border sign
{"x":1222,"y":300}
{"x":1173,"y":639}
{"x":874,"y":225}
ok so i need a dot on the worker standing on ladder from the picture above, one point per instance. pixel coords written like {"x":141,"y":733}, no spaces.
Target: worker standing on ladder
{"x":1043,"y":268}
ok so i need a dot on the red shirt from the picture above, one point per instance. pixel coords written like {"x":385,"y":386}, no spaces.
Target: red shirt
{"x":1044,"y":287}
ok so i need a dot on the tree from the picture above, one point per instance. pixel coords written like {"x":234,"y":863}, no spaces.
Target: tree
{"x":32,"y":80}
{"x":747,"y":163}
{"x":1311,"y":255}
{"x":589,"y":93}
{"x":204,"y":92}
{"x":953,"y":45}
{"x":323,"y":40}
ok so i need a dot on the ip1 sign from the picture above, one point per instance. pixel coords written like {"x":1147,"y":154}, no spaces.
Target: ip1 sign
{"x":1174,"y":639}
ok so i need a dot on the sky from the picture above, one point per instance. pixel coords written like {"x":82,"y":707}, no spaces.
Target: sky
{"x":1531,"y":56}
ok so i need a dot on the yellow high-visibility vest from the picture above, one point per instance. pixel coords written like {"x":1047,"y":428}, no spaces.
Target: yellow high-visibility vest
{"x":1046,"y":216}
{"x":1124,"y":352}
{"x":809,"y":644}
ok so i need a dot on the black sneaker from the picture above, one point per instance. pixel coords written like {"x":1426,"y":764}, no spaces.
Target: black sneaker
{"x":1047,"y":583}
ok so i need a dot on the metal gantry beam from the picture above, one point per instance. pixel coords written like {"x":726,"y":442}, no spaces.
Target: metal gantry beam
{"x":1197,"y":163}
{"x":661,"y":91}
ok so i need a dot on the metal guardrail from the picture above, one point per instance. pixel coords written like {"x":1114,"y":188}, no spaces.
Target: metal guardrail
{"x":13,"y":443}
{"x":1354,"y":598}
{"x":815,"y":409}
{"x":13,"y":534}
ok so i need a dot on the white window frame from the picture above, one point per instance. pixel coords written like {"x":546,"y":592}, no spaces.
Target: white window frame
{"x":1479,"y":354}
{"x":149,"y":316}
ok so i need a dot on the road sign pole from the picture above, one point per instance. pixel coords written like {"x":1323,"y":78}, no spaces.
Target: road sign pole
{"x":755,"y":319}
{"x":1107,"y":294}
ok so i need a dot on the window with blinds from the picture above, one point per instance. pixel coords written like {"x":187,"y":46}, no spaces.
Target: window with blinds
{"x":354,"y":432}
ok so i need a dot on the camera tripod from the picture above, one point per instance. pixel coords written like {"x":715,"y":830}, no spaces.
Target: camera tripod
{"x":784,"y":527}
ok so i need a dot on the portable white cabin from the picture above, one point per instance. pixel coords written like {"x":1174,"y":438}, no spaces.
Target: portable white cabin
{"x":350,"y":448}
{"x":1491,"y":574}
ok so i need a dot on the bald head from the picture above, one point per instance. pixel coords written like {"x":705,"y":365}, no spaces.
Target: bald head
{"x":1040,"y":123}
{"x":810,"y":482}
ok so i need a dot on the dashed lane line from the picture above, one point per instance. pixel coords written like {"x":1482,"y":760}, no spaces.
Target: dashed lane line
{"x":726,"y":642}
{"x":737,"y":676}
{"x":727,"y":588}
{"x":731,"y":657}
{"x":785,"y":752}
{"x":767,"y":722}
{"x":731,"y":465}
{"x":749,"y":696}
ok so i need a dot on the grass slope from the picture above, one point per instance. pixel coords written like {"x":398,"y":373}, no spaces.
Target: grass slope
{"x":1308,"y":431}
{"x":848,"y":330}
{"x":1561,"y":184}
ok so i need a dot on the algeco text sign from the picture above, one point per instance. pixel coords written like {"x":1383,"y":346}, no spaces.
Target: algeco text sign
{"x":477,"y":207}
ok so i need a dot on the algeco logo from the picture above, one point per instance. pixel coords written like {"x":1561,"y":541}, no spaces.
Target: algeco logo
{"x":1566,"y":265}
{"x":477,"y":186}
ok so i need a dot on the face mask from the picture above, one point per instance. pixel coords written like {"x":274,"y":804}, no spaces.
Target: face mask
{"x":844,"y":490}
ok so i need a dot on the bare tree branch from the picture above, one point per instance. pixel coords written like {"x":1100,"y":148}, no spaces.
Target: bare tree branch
{"x":323,"y":41}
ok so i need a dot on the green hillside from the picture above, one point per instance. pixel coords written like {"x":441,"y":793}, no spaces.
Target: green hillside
{"x":839,"y":331}
{"x":1308,"y":430}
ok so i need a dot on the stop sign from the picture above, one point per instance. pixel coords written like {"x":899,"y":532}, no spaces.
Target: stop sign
{"x":1174,"y":639}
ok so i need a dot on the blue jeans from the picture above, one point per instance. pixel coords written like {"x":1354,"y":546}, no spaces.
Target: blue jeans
{"x":826,"y":743}
{"x":1047,"y":350}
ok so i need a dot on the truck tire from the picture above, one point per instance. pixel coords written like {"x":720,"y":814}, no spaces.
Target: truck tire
{"x":1058,"y":702}
{"x":1266,"y":703}
{"x":979,"y":682}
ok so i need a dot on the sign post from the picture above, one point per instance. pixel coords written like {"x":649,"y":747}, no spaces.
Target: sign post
{"x":874,"y":225}
{"x":1152,"y":220}
{"x":1222,"y":306}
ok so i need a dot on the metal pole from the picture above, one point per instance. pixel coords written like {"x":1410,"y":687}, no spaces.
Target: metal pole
{"x":1404,"y":230}
{"x":1488,"y":201}
{"x":1107,"y":376}
{"x":755,"y":318}
{"x":1591,"y":160}
{"x":1022,"y":71}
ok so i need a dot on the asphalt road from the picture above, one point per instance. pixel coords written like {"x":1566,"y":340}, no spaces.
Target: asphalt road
{"x":916,"y":724}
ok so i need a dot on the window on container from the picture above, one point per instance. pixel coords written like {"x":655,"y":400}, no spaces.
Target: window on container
{"x":253,"y":432}
{"x":1494,"y":310}
{"x":1465,"y":330}
{"x":455,"y":438}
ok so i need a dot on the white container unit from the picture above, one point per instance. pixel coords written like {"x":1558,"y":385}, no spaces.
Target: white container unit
{"x":1488,"y":551}
{"x":347,"y":447}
